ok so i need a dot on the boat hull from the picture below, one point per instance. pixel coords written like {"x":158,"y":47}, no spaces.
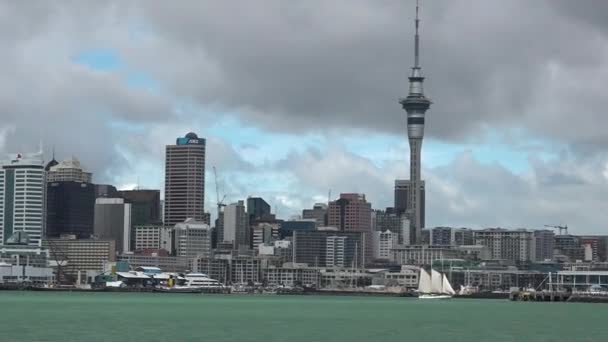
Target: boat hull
{"x":434,"y":296}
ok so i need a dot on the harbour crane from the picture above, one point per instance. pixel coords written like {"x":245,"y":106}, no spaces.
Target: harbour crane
{"x":562,"y":229}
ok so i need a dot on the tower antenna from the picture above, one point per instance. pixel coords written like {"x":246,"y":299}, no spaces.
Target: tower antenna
{"x":416,"y":40}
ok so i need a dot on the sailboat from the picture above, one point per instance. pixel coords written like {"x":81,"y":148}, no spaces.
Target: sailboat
{"x":434,"y":286}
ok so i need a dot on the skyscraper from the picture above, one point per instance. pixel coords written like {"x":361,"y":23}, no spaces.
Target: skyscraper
{"x":70,"y":209}
{"x":416,"y":105}
{"x":113,"y":222}
{"x":352,"y":213}
{"x":70,"y":201}
{"x":23,"y":198}
{"x":185,"y":180}
{"x":236,"y":225}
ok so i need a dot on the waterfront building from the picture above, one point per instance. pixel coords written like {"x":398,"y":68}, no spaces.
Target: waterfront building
{"x":70,"y":209}
{"x":422,"y":254}
{"x":192,"y":239}
{"x":329,"y":248}
{"x":406,"y":277}
{"x":23,"y":197}
{"x":304,"y":225}
{"x":31,"y":274}
{"x":352,"y":213}
{"x":244,"y":270}
{"x":291,"y":275}
{"x":24,"y":255}
{"x":384,"y":242}
{"x":68,"y":170}
{"x":236,"y":226}
{"x":185,"y":180}
{"x":113,"y":222}
{"x":505,"y":244}
{"x":80,"y":255}
{"x":215,"y":268}
{"x":153,"y":237}
{"x":317,"y":213}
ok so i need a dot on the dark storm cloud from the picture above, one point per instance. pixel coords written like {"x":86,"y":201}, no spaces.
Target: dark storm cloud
{"x":294,"y":65}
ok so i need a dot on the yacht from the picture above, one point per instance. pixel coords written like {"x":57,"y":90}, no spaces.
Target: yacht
{"x":201,"y":280}
{"x":434,"y":286}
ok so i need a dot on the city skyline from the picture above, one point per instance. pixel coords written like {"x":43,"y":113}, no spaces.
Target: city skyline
{"x":499,"y":149}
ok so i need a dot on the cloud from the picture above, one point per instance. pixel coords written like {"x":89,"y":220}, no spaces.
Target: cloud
{"x":322,"y":68}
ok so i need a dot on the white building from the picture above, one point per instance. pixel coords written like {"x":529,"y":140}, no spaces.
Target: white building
{"x":384,"y":242}
{"x":192,"y":239}
{"x":68,"y":170}
{"x":23,"y":197}
{"x":153,"y":237}
{"x":334,"y":251}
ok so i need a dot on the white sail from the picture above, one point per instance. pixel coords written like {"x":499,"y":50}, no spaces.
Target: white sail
{"x":436,"y":282}
{"x":446,"y":287}
{"x":424,"y":284}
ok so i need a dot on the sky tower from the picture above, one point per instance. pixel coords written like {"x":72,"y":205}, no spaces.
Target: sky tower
{"x":415,"y":104}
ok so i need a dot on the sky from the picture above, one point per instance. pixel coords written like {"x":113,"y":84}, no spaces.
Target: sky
{"x":299,"y":99}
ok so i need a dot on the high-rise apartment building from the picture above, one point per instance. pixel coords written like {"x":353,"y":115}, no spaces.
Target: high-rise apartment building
{"x":352,"y":213}
{"x":113,"y":222}
{"x":236,"y":225}
{"x":23,"y":197}
{"x":185,"y":180}
{"x":192,"y":239}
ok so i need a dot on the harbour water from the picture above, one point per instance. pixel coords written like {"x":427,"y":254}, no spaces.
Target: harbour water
{"x":33,"y":316}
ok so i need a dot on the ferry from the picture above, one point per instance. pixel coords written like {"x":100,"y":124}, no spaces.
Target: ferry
{"x":201,"y":280}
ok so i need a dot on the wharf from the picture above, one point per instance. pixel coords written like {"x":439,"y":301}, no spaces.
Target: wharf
{"x":559,"y":296}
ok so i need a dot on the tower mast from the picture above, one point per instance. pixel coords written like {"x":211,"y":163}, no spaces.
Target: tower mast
{"x":416,"y":105}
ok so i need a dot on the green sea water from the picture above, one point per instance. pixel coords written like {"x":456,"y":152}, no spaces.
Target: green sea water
{"x":32,"y":316}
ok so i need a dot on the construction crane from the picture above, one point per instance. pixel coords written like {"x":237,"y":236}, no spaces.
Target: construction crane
{"x":562,"y":229}
{"x":220,"y":202}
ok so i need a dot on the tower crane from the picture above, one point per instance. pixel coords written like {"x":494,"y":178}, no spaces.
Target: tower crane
{"x":562,"y":229}
{"x":220,"y":202}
